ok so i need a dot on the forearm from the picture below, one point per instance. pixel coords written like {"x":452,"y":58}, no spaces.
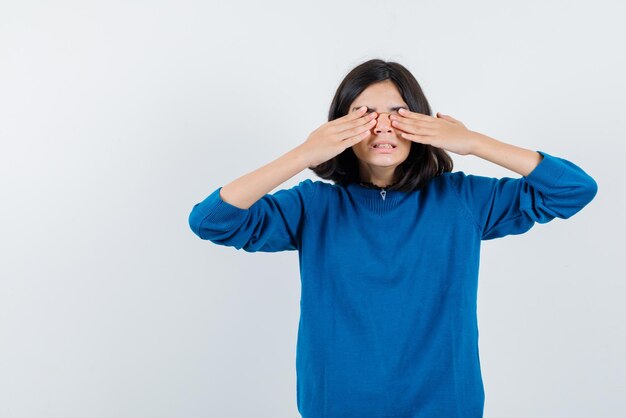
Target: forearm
{"x":247,"y":189}
{"x":517,"y":159}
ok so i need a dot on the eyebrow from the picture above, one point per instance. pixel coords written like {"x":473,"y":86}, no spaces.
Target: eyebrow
{"x":374,"y":109}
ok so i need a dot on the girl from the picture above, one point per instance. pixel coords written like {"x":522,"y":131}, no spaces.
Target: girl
{"x":389,"y":251}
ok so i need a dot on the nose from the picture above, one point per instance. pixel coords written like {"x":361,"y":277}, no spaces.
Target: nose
{"x":383,"y":123}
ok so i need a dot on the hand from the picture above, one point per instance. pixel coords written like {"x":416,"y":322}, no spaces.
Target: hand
{"x":333,"y":137}
{"x":442,"y":131}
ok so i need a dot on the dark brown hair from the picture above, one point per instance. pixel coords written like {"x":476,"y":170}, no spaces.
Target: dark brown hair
{"x":423,"y":162}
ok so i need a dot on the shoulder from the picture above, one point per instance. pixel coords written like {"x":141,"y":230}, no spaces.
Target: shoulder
{"x":453,"y":176}
{"x":460,"y":180}
{"x":448,"y":180}
{"x":317,"y":186}
{"x":461,"y":185}
{"x":311,"y":190}
{"x":322,"y":192}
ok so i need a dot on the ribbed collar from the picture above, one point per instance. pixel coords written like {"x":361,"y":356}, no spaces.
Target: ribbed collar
{"x":373,"y":193}
{"x":373,"y":198}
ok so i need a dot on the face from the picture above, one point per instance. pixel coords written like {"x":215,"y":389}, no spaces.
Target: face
{"x":384,"y":98}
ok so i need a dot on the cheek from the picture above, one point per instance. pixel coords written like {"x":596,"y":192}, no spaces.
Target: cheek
{"x":360,"y":150}
{"x":361,"y":145}
{"x":405,"y":147}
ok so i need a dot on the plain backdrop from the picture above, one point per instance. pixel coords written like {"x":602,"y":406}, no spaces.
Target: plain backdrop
{"x":117,"y":117}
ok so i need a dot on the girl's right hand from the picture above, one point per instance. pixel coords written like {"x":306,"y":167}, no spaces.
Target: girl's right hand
{"x":333,"y":137}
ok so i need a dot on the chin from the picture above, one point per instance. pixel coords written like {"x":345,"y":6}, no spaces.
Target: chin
{"x":383,"y":160}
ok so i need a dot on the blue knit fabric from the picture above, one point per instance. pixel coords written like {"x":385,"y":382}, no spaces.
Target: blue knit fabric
{"x":389,"y":280}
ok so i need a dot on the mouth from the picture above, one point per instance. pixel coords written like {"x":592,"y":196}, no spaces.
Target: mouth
{"x":383,"y":148}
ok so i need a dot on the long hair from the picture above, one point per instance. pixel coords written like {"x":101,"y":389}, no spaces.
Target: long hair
{"x":423,"y":162}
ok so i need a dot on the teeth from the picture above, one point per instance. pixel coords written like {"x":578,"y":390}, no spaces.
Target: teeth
{"x":383,"y":146}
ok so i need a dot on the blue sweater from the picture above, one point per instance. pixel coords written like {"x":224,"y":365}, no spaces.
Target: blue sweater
{"x":389,"y":280}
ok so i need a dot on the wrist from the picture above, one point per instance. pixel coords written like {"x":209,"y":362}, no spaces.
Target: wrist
{"x":300,"y":155}
{"x":477,"y":141}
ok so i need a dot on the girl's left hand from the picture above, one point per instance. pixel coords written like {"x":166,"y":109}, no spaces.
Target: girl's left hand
{"x":442,"y":131}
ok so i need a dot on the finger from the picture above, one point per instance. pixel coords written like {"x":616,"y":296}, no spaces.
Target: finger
{"x":350,"y":116}
{"x":422,"y":139}
{"x":353,"y":140}
{"x":447,"y":117}
{"x":364,"y":120}
{"x":421,"y":131}
{"x":418,"y":130}
{"x":413,"y":115}
{"x":358,"y":129}
{"x":410,"y":125}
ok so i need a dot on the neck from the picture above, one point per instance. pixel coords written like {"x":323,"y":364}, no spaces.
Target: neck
{"x":377,"y":176}
{"x":377,"y":185}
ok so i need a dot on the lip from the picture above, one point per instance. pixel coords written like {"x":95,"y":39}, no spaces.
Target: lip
{"x":381,"y":141}
{"x":383,"y":150}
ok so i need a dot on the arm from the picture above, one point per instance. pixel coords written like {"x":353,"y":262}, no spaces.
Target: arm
{"x":249,"y":188}
{"x":554,"y":188}
{"x":247,"y":217}
{"x":550,"y":187}
{"x":242,"y":214}
{"x":519,"y":160}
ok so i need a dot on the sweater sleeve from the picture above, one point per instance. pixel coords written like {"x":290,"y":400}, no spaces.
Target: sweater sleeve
{"x":509,"y":206}
{"x":273,"y":223}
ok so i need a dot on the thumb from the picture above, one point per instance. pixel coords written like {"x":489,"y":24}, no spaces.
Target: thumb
{"x":446,"y":117}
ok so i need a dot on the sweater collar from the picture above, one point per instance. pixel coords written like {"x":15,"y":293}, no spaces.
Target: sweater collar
{"x":372,"y":193}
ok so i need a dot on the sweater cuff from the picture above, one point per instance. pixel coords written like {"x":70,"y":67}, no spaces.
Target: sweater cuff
{"x":547,"y":172}
{"x":218,"y":212}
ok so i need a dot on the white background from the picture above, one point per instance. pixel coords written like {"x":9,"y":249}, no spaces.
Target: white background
{"x":117,"y":117}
